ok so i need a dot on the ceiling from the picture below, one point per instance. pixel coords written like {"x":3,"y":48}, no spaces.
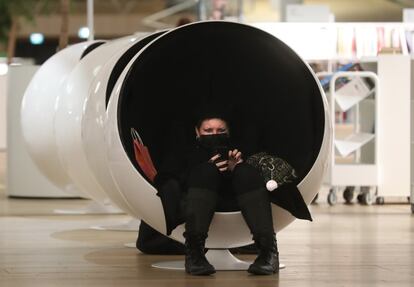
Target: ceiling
{"x":121,"y":17}
{"x":366,"y":10}
{"x":344,"y":10}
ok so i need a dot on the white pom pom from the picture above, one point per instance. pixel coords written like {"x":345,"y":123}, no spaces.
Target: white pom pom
{"x":271,"y":185}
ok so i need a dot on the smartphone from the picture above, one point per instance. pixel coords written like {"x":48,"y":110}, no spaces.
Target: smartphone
{"x":224,"y":152}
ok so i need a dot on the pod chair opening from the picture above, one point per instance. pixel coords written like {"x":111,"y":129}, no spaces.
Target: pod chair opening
{"x":124,"y":60}
{"x":91,"y":47}
{"x":272,"y":95}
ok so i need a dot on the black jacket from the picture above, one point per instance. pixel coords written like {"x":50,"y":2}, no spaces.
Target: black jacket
{"x":171,"y":179}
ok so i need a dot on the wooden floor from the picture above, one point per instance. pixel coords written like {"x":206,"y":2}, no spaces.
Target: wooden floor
{"x":346,"y":245}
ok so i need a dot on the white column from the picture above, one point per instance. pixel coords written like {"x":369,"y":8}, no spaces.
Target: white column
{"x":3,"y":110}
{"x":90,"y":20}
{"x":394,"y":140}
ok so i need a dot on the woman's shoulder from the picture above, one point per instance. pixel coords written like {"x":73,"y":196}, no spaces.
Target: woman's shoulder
{"x":196,"y":154}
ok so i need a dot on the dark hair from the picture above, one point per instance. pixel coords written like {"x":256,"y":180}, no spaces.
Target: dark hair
{"x":200,"y":121}
{"x":213,"y":109}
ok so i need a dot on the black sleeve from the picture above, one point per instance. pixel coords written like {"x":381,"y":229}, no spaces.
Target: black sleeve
{"x":181,"y":154}
{"x":169,"y":183}
{"x":173,"y":163}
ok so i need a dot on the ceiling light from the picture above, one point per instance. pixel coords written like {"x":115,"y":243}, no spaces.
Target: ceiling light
{"x":37,"y":38}
{"x":83,"y":33}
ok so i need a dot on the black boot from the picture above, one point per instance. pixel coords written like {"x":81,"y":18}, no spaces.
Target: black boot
{"x":256,"y":210}
{"x":199,"y":210}
{"x":267,"y":262}
{"x":196,"y":262}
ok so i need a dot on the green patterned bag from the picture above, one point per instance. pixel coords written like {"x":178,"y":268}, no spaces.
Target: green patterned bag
{"x":275,"y":171}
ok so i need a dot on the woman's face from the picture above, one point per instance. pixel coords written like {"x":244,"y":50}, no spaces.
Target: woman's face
{"x":212,"y":127}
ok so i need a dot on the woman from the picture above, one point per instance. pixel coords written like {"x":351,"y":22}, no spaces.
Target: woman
{"x":214,"y":177}
{"x":229,"y":179}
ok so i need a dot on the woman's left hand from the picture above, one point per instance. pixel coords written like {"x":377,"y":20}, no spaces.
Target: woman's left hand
{"x":234,"y":159}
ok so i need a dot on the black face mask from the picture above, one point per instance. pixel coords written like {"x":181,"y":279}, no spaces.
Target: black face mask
{"x":215,"y":144}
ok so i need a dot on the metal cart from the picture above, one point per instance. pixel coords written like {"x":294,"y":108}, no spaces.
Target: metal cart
{"x":351,"y":169}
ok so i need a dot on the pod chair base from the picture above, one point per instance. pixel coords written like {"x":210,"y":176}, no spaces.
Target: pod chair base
{"x":221,"y":259}
{"x":131,"y":225}
{"x":92,"y":208}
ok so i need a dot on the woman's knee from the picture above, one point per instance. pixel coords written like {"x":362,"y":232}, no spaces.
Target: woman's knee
{"x":205,"y":175}
{"x":246,"y":178}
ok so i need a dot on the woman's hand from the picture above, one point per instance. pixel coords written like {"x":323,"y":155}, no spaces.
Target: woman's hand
{"x":221,"y":165}
{"x":234,"y":159}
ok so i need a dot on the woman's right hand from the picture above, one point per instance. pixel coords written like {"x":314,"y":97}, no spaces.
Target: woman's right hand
{"x":221,"y":165}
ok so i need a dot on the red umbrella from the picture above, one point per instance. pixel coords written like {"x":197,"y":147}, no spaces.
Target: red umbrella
{"x":142,"y":156}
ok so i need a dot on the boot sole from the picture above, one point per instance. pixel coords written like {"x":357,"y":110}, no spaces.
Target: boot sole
{"x":201,"y":272}
{"x":256,"y":271}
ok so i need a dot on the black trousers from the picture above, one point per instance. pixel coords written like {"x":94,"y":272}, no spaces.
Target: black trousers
{"x":225,"y":185}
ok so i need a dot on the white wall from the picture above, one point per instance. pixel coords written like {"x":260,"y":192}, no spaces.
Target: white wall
{"x":3,"y":104}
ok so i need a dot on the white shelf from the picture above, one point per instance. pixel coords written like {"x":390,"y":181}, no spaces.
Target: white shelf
{"x":352,"y":143}
{"x":363,"y":59}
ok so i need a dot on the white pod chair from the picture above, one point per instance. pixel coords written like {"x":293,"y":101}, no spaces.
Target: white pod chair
{"x":94,"y":114}
{"x":271,"y":87}
{"x":72,"y":115}
{"x":38,"y":112}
